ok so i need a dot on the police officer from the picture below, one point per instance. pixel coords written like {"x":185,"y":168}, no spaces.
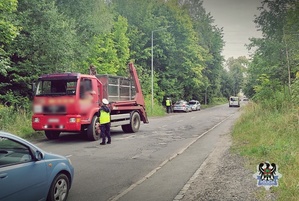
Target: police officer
{"x":168,"y":104}
{"x":104,"y":119}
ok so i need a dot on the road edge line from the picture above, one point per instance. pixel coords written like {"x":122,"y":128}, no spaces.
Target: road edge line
{"x":115,"y":198}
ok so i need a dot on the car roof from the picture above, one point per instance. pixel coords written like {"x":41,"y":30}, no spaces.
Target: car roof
{"x":17,"y":138}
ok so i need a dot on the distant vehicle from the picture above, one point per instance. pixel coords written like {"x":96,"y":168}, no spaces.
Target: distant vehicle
{"x":234,"y":101}
{"x":29,"y":173}
{"x":245,"y":99}
{"x":195,"y":105}
{"x":182,"y":106}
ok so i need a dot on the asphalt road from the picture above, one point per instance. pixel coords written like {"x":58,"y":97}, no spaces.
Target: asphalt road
{"x":153,"y":164}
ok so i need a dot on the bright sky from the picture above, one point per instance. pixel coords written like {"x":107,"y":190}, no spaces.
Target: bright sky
{"x":236,"y":17}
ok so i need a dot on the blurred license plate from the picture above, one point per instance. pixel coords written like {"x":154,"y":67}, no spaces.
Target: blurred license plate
{"x":53,"y":120}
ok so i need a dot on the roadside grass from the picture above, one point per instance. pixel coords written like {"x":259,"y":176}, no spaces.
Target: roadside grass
{"x":216,"y":101}
{"x":271,"y":135}
{"x":16,"y":121}
{"x":156,"y":110}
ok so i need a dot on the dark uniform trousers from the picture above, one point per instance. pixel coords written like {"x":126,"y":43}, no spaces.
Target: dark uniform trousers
{"x":105,"y":132}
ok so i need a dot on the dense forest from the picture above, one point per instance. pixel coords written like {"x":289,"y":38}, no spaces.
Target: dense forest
{"x":46,"y":36}
{"x":273,"y":70}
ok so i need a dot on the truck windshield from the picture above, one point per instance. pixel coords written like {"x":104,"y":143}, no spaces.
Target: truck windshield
{"x":56,"y":87}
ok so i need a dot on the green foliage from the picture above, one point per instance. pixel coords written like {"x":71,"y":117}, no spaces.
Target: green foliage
{"x":295,"y":91}
{"x":179,"y":57}
{"x":92,"y":17}
{"x":44,"y":45}
{"x":110,"y":52}
{"x":227,"y":86}
{"x":154,"y":110}
{"x":277,"y":51}
{"x":237,"y":69}
{"x":8,"y":31}
{"x":59,"y":35}
{"x":270,"y":94}
{"x":16,"y":120}
{"x":92,"y":20}
{"x":15,"y":101}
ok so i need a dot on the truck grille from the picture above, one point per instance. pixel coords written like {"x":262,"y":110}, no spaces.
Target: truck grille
{"x":54,"y":109}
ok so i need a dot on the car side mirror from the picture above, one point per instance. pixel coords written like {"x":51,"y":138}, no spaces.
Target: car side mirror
{"x":38,"y":155}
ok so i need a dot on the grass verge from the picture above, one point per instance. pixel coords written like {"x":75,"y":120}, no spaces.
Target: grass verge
{"x":271,"y":135}
{"x":16,"y":121}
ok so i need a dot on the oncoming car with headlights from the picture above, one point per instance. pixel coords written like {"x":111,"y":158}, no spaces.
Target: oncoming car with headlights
{"x":29,"y":173}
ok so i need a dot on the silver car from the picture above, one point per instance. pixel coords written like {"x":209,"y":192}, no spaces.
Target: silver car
{"x":195,"y":105}
{"x":181,"y":106}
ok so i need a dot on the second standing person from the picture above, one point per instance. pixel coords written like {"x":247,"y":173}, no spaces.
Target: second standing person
{"x":104,"y":119}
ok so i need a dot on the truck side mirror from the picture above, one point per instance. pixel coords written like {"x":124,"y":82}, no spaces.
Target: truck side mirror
{"x":33,"y":86}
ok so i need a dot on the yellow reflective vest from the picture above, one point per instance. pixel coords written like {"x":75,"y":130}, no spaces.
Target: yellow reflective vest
{"x":104,"y":117}
{"x":167,"y":102}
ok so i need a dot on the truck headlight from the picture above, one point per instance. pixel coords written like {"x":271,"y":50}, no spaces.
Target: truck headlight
{"x":72,"y":120}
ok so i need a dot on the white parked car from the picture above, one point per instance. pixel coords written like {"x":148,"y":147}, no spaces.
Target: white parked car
{"x":181,"y":106}
{"x":195,"y":105}
{"x":234,"y":101}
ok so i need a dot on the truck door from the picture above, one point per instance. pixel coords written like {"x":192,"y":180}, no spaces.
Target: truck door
{"x":86,"y":95}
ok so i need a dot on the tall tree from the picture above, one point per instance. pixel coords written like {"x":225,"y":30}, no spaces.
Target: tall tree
{"x":276,"y":51}
{"x":237,"y":68}
{"x":45,"y":44}
{"x":110,"y":52}
{"x":92,"y":18}
{"x":8,"y":32}
{"x":210,"y":38}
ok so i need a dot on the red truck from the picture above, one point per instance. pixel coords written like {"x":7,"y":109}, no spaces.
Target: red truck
{"x":69,"y":102}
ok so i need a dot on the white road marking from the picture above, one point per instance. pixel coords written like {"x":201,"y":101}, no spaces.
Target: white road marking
{"x":121,"y":194}
{"x":127,"y":137}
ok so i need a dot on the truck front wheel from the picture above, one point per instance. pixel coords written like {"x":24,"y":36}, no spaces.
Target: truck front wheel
{"x":92,"y":134}
{"x":134,"y":125}
{"x":51,"y":135}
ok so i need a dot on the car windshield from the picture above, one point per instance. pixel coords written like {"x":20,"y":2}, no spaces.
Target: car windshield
{"x":180,"y":102}
{"x":192,"y":103}
{"x":56,"y":87}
